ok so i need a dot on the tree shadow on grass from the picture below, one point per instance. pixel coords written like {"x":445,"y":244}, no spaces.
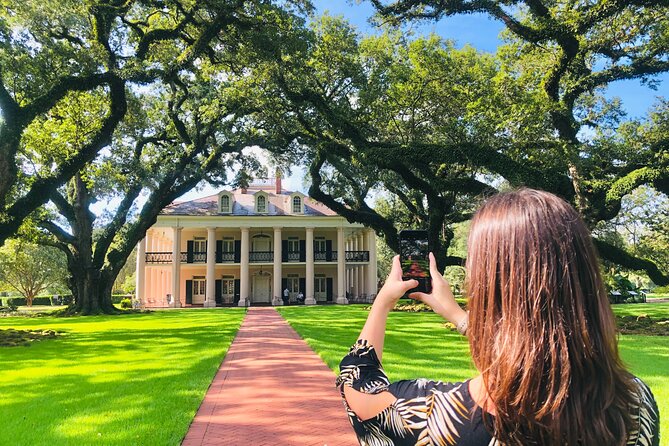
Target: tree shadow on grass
{"x":132,"y":384}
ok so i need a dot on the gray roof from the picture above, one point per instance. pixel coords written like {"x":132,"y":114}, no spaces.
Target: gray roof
{"x":244,"y":204}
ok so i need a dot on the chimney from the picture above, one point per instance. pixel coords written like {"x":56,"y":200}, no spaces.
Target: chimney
{"x":243,"y":190}
{"x":277,"y":182}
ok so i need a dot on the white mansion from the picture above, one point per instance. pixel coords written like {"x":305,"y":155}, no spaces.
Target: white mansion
{"x":246,"y":246}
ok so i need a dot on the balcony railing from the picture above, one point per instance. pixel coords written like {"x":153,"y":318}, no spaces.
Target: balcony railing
{"x":158,"y":257}
{"x":195,"y":256}
{"x":261,"y":256}
{"x":357,"y":256}
{"x":325,"y":256}
{"x":293,"y":256}
{"x":227,"y":257}
{"x":254,"y":257}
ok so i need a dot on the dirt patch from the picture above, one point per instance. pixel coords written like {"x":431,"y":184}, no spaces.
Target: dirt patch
{"x":643,"y":325}
{"x":23,"y":338}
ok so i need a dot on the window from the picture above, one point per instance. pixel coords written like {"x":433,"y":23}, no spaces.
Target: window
{"x":261,"y":203}
{"x":297,"y":205}
{"x":199,"y":245}
{"x":199,"y":286}
{"x":228,"y":244}
{"x":320,"y":286}
{"x":225,"y":203}
{"x":228,"y":285}
{"x":293,"y":283}
{"x":293,"y":244}
{"x":319,"y":244}
{"x":293,"y":249}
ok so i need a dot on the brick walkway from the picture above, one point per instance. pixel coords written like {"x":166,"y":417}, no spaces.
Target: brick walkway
{"x":271,"y":389}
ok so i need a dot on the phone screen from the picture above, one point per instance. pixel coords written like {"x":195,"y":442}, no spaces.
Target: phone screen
{"x":414,"y":259}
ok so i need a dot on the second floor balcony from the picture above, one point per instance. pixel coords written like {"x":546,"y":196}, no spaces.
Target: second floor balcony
{"x":157,"y":258}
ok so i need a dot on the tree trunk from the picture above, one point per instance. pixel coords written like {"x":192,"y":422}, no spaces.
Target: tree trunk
{"x":91,"y":290}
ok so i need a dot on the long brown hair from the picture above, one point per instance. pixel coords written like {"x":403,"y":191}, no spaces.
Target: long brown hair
{"x":541,"y":329}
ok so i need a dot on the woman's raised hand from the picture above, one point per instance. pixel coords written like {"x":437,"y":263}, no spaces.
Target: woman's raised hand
{"x":394,"y":287}
{"x":441,"y":299}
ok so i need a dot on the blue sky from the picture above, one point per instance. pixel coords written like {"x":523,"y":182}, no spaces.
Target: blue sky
{"x":479,"y":31}
{"x":482,"y":33}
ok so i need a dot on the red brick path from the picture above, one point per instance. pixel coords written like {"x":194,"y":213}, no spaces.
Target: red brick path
{"x":271,"y":389}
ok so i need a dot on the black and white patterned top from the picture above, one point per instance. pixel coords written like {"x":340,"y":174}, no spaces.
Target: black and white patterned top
{"x":437,"y":413}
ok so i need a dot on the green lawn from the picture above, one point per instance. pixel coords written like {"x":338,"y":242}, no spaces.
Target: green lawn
{"x":135,"y":379}
{"x":417,"y":345}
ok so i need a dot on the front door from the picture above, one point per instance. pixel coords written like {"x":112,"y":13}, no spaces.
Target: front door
{"x":261,"y":291}
{"x":320,"y":290}
{"x":199,"y":289}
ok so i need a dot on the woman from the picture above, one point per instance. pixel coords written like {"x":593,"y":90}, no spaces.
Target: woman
{"x":542,"y":337}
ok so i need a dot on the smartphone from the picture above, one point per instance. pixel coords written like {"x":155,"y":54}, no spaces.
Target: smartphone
{"x":414,"y":259}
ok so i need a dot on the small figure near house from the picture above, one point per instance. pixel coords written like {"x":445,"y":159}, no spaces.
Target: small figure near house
{"x":300,"y":297}
{"x":286,"y":295}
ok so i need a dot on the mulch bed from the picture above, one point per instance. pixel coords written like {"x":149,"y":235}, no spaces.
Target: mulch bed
{"x":23,"y":338}
{"x":643,"y":325}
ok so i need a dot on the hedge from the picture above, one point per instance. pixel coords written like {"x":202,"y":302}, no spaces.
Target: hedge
{"x":65,"y":299}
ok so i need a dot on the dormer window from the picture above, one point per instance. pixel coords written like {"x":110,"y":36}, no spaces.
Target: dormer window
{"x":225,"y":202}
{"x":261,"y":204}
{"x":297,"y":204}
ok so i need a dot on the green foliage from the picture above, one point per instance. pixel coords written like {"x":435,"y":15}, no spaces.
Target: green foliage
{"x":126,"y":303}
{"x":30,"y":269}
{"x":661,"y":290}
{"x":546,"y":102}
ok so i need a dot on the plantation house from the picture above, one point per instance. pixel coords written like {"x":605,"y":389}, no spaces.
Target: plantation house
{"x":245,"y":246}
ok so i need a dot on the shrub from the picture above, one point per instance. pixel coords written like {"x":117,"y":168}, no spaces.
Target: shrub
{"x":16,"y":301}
{"x":661,"y":290}
{"x":118,"y":298}
{"x":42,"y":301}
{"x":126,"y":303}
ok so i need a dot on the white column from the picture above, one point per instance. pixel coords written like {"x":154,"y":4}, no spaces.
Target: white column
{"x":310,"y":299}
{"x":341,"y":267}
{"x":372,"y":270}
{"x":147,"y":287}
{"x":210,"y":296}
{"x":165,"y":285}
{"x":176,"y":267}
{"x":277,"y":292}
{"x":140,"y":272}
{"x":349,"y":272}
{"x":244,"y":269}
{"x":362,"y":268}
{"x":354,"y":270}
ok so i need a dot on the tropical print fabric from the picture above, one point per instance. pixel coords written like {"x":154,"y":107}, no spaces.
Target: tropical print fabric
{"x":444,"y":414}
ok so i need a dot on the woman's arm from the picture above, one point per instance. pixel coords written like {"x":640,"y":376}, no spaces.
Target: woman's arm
{"x":374,"y":330}
{"x":367,"y":405}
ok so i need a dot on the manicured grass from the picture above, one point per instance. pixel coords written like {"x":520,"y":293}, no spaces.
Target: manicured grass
{"x":418,"y":345}
{"x":134,"y":379}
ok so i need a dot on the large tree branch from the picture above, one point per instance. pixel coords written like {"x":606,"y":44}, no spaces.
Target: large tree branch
{"x":369,"y":217}
{"x":639,"y":67}
{"x":42,"y":188}
{"x":112,"y":228}
{"x":626,"y":185}
{"x":59,"y":233}
{"x":623,"y":258}
{"x":63,"y":86}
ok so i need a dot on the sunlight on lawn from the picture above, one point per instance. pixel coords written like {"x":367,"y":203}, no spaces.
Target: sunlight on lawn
{"x":131,"y":379}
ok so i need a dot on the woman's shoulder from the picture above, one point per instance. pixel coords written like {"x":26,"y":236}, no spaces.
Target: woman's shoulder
{"x":645,"y":417}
